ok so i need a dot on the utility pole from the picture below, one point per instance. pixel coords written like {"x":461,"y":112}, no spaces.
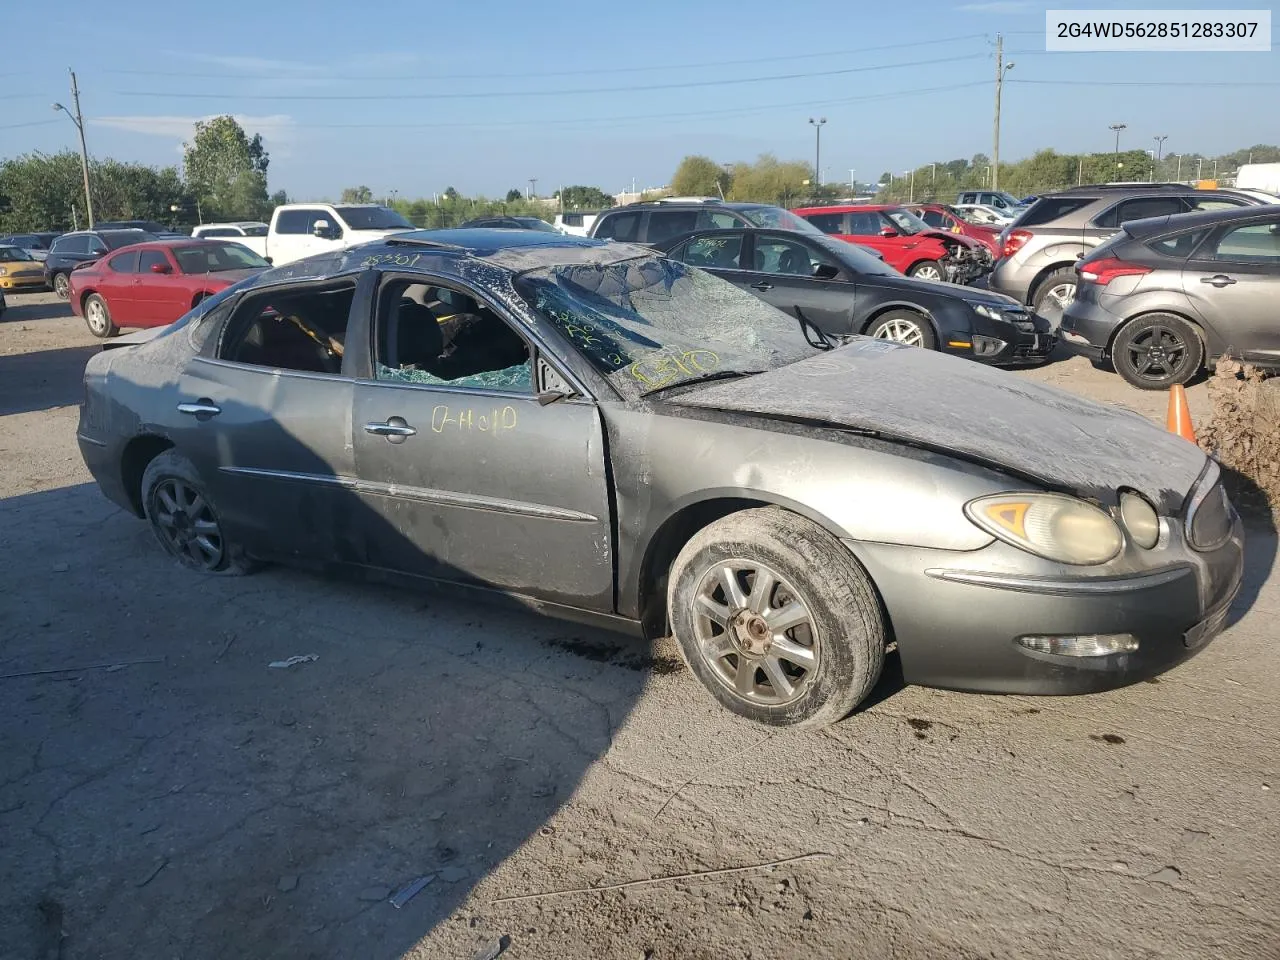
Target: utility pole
{"x":853,"y":184}
{"x":1117,"y":127}
{"x":1199,"y":167}
{"x":1001,"y":69}
{"x":1178,"y":176}
{"x":1080,"y":171}
{"x":911,"y":196}
{"x":78,"y":120}
{"x":533,"y":187}
{"x":817,"y":149}
{"x":1215,"y":169}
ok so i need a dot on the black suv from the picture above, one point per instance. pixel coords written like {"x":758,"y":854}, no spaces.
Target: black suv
{"x":72,"y":249}
{"x":657,"y":220}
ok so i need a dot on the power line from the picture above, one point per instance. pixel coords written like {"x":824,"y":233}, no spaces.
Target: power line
{"x":31,"y":123}
{"x":1152,"y":83}
{"x":540,"y":93}
{"x":541,"y":73}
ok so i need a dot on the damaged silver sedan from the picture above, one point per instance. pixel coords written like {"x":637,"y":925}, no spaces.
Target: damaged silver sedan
{"x":609,"y":435}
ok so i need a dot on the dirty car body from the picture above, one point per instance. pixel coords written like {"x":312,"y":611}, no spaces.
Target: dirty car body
{"x":633,"y":408}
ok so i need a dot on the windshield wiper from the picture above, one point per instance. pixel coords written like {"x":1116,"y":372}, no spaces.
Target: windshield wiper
{"x":812,"y":335}
{"x":702,"y":378}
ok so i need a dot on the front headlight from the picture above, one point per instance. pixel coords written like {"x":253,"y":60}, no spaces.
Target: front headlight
{"x":1050,"y":525}
{"x":991,"y":313}
{"x":3,"y":271}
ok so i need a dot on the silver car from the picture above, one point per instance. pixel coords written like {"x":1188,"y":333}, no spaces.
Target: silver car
{"x":605,"y":434}
{"x":1039,"y":250}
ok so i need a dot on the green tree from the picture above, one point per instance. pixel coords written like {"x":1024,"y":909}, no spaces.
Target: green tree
{"x":360,"y":194}
{"x":584,"y":198}
{"x":452,"y":195}
{"x":279,"y":198}
{"x":770,"y":180}
{"x":514,"y":195}
{"x":227,"y":170}
{"x":699,"y":176}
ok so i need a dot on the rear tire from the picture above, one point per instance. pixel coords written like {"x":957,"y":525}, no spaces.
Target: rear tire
{"x":904,"y":326}
{"x":1156,"y":351}
{"x":777,"y":619}
{"x":62,"y":285}
{"x":1060,"y":286}
{"x":98,"y":318}
{"x":183,"y":518}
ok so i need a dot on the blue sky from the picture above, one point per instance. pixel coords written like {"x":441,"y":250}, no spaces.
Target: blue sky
{"x":482,"y":96}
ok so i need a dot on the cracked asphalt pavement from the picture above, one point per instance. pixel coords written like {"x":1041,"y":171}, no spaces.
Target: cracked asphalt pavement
{"x":166,"y":793}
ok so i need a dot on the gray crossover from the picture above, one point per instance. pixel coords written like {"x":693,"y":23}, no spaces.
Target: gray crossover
{"x":607,"y":434}
{"x":1039,"y":250}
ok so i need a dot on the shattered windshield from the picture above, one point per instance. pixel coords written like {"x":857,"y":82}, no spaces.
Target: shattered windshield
{"x":651,"y":323}
{"x":779,"y":219}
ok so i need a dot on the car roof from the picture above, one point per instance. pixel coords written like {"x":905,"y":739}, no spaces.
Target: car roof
{"x":1176,"y":223}
{"x":850,"y":208}
{"x":693,"y":204}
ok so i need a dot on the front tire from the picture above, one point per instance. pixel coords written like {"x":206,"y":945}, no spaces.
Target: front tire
{"x":1057,"y":290}
{"x":904,"y":326}
{"x":183,"y":518}
{"x":777,"y":619}
{"x":97,"y":317}
{"x":1157,"y":351}
{"x":62,"y":286}
{"x":927,"y":270}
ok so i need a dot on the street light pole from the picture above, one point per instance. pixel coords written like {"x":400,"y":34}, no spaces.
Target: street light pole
{"x":817,"y":149}
{"x":1001,"y":69}
{"x":1159,"y":154}
{"x":1117,"y":127}
{"x":78,"y":120}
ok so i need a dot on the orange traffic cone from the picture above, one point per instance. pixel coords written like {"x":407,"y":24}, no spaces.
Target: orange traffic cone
{"x":1179,"y":419}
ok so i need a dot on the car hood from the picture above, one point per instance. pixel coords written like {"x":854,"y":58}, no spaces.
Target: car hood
{"x":909,"y":285}
{"x":973,"y":412}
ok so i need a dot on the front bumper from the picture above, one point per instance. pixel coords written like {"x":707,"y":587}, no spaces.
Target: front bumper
{"x":1021,"y":338}
{"x":956,"y":621}
{"x":22,"y":281}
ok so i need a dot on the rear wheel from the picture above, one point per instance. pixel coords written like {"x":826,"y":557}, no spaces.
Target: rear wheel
{"x":776,"y":618}
{"x":927,"y":270}
{"x":62,"y":285}
{"x":184,"y":520}
{"x":1157,"y":351}
{"x":1056,"y":291}
{"x":98,"y":318}
{"x":904,"y":326}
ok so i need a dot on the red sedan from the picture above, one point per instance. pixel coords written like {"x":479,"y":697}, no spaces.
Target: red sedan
{"x":906,"y":242}
{"x":942,"y":217}
{"x":153,"y":284}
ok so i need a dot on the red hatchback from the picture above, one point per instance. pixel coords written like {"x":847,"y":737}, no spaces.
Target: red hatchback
{"x":905,"y":241}
{"x":153,"y":284}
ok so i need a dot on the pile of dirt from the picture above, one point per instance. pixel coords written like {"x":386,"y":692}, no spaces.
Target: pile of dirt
{"x":1244,"y":432}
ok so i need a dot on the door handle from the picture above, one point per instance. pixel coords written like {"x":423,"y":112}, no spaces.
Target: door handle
{"x":762,"y":285}
{"x":202,"y":409}
{"x":395,"y":429}
{"x":1220,"y":280}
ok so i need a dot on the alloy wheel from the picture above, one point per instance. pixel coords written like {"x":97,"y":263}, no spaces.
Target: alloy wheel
{"x":96,"y":315}
{"x":1060,"y":295}
{"x":755,"y":632}
{"x":62,"y":286}
{"x":187,"y":524}
{"x":903,"y":331}
{"x":927,"y":272}
{"x":1156,"y":353}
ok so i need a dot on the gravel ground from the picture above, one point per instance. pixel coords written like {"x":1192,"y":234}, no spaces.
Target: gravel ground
{"x":165,"y":793}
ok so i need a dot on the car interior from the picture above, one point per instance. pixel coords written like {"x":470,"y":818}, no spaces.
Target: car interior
{"x":437,"y":335}
{"x":291,"y":331}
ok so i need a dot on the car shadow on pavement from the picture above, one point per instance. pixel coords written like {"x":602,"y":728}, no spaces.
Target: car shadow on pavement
{"x":31,"y":312}
{"x":167,"y":791}
{"x":43,"y":380}
{"x":1260,"y":539}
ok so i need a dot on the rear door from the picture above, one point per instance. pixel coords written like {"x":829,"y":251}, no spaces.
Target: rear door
{"x":1233,"y":281}
{"x":116,"y":286}
{"x":462,"y":474}
{"x":265,"y":416}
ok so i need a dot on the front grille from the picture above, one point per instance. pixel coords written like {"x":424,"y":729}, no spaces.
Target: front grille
{"x":1026,"y":351}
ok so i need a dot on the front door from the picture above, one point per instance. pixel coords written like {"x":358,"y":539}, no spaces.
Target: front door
{"x":160,"y":290}
{"x":1233,"y":281}
{"x":464,"y":475}
{"x":784,"y":276}
{"x":293,"y":236}
{"x":266,"y":419}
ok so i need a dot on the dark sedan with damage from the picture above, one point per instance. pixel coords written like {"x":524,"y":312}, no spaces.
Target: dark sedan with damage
{"x":842,"y":288}
{"x":608,"y":434}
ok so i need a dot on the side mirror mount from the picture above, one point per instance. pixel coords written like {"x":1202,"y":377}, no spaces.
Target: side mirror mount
{"x":321,"y":229}
{"x":888,"y":232}
{"x":269,"y":260}
{"x":548,"y":397}
{"x":161,"y":268}
{"x":825,"y":271}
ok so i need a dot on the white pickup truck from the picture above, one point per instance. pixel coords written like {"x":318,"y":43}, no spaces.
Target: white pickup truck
{"x":303,"y":229}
